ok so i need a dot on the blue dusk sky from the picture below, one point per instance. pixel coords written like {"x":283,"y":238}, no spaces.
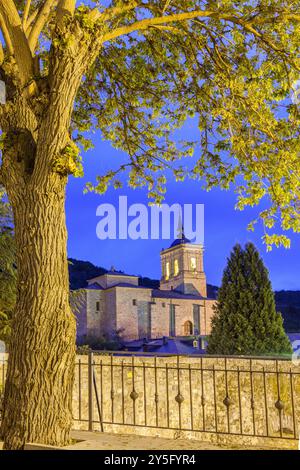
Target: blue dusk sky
{"x":223,"y":225}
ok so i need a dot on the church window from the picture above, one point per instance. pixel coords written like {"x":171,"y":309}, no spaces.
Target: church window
{"x":193,"y":264}
{"x":133,"y":301}
{"x":167,"y":270}
{"x":97,"y":306}
{"x":176,"y":267}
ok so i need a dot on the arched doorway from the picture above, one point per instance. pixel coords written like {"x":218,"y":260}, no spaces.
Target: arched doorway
{"x":188,"y":328}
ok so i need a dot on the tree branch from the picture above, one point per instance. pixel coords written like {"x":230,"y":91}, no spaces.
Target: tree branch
{"x":1,"y":54}
{"x":161,"y":20}
{"x":65,"y":8}
{"x":6,"y":36}
{"x":26,"y":13}
{"x":30,"y":21}
{"x":40,"y":22}
{"x":278,"y":19}
{"x":21,"y":51}
{"x":95,"y":15}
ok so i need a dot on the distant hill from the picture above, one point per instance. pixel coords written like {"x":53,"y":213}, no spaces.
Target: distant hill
{"x":287,"y":302}
{"x":81,"y":271}
{"x":147,"y":282}
{"x":212,"y":291}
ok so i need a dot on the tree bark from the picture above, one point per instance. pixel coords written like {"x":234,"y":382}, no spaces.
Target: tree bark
{"x":35,"y":168}
{"x":38,"y":392}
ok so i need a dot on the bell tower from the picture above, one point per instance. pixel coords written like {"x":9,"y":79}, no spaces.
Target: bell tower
{"x":182,"y":267}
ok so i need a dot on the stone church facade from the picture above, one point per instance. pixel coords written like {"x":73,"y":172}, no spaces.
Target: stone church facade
{"x":115,"y":301}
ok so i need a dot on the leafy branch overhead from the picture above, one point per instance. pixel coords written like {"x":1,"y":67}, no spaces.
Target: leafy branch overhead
{"x":152,"y":65}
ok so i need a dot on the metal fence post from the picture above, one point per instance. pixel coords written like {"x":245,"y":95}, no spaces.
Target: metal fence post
{"x":90,"y":390}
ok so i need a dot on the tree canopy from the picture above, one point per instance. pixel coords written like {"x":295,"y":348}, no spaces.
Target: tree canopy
{"x":230,"y":65}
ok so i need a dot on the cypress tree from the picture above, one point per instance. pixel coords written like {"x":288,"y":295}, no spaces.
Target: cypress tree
{"x":246,"y":321}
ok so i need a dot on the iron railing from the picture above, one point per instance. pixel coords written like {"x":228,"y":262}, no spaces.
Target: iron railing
{"x":259,"y":397}
{"x":254,"y":397}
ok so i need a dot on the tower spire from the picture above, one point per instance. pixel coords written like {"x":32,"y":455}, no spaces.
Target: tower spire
{"x":180,"y":228}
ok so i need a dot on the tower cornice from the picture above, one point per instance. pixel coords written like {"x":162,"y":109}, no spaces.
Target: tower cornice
{"x":186,"y":246}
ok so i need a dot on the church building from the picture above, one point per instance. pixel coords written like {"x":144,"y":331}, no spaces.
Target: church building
{"x":115,"y":301}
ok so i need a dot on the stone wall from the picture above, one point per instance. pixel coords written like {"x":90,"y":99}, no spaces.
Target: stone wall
{"x":192,"y":397}
{"x":233,"y":407}
{"x":128,"y":314}
{"x":183,"y":312}
{"x":124,"y":308}
{"x":96,"y":317}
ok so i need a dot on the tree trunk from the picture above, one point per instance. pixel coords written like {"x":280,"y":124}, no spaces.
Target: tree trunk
{"x":35,"y":167}
{"x":38,"y":392}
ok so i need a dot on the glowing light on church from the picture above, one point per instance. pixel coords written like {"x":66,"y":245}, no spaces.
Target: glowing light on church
{"x":167,"y":270}
{"x":176,"y":267}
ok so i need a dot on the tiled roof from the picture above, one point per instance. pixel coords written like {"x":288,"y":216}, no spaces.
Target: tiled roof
{"x":177,"y":347}
{"x":119,"y":273}
{"x":95,"y":286}
{"x":156,"y":293}
{"x":172,"y":346}
{"x":180,"y":241}
{"x":112,"y":273}
{"x":127,"y":284}
{"x":173,"y":294}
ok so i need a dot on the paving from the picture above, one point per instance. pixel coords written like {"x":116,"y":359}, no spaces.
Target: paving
{"x":111,"y":441}
{"x":86,"y":440}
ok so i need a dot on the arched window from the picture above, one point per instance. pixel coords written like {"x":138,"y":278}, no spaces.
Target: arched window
{"x":167,"y":271}
{"x":176,"y":267}
{"x":193,"y":264}
{"x":188,"y":328}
